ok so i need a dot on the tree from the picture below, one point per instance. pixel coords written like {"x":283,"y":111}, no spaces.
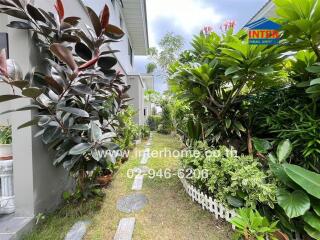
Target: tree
{"x":170,"y":46}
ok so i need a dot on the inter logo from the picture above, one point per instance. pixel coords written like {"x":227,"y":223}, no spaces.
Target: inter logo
{"x":263,"y":32}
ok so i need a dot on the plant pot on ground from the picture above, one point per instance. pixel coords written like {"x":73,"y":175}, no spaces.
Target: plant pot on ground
{"x":5,"y":143}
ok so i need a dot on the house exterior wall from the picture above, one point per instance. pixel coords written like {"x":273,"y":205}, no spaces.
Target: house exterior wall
{"x":137,"y":89}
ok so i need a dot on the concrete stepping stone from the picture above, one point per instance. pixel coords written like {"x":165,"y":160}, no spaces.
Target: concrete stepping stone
{"x":137,"y":183}
{"x":144,"y":159}
{"x":125,"y":229}
{"x":77,"y":231}
{"x":141,"y":170}
{"x":132,"y":203}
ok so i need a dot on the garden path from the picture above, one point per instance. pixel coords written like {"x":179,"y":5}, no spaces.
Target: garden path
{"x":164,"y":210}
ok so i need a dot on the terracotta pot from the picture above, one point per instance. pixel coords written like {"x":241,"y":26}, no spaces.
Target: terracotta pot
{"x":280,"y":236}
{"x":5,"y":152}
{"x":104,"y":180}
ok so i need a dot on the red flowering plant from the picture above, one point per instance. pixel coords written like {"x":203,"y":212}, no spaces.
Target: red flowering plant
{"x":70,"y":86}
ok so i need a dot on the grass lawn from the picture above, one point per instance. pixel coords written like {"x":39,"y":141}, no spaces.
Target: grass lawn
{"x":169,"y":215}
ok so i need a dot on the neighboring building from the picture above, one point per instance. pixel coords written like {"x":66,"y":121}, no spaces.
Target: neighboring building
{"x":267,"y":11}
{"x":38,"y":185}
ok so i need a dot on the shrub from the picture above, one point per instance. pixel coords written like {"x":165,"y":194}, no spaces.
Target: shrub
{"x":234,"y":180}
{"x":166,"y":126}
{"x":153,"y":122}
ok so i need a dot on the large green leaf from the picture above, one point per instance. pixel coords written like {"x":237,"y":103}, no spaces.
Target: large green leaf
{"x":261,"y":145}
{"x":295,"y":204}
{"x":313,"y":220}
{"x":284,"y":150}
{"x":4,"y":98}
{"x":79,"y":149}
{"x":312,"y":232}
{"x":32,"y":92}
{"x":316,"y":206}
{"x":309,"y":181}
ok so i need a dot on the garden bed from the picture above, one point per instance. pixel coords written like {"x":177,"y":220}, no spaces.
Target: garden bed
{"x":212,"y":205}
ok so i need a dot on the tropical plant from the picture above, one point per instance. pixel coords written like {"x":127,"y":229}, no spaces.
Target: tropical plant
{"x":250,"y":225}
{"x":299,"y":194}
{"x":238,"y":181}
{"x":153,"y":122}
{"x":5,"y":135}
{"x":166,"y":125}
{"x":70,"y":88}
{"x":213,"y":77}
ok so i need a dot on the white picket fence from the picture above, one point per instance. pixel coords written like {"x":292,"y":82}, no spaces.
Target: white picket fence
{"x":7,"y":203}
{"x":214,"y":206}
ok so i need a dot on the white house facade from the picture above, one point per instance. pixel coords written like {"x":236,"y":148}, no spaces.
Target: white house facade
{"x":38,"y":185}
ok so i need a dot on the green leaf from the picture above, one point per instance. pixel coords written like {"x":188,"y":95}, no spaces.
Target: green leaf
{"x":96,"y":132}
{"x":232,"y":70}
{"x":29,"y":123}
{"x":4,"y":98}
{"x":19,"y":25}
{"x":235,"y":202}
{"x":261,"y":145}
{"x":316,"y":207}
{"x":25,"y":108}
{"x":313,"y":69}
{"x":20,"y":83}
{"x":80,"y":149}
{"x":75,"y":111}
{"x":81,"y":127}
{"x":272,"y":158}
{"x":278,"y":171}
{"x":228,"y":123}
{"x":312,"y":232}
{"x":313,"y":220}
{"x":32,"y":92}
{"x":309,"y":181}
{"x":284,"y":150}
{"x":295,"y":204}
{"x":315,"y":81}
{"x":239,"y":126}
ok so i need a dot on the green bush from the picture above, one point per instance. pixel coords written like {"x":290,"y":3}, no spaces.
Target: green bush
{"x":234,"y":180}
{"x":166,"y":126}
{"x":153,"y":122}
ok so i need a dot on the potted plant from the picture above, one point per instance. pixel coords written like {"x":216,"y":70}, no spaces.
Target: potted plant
{"x":5,"y":143}
{"x":104,"y":174}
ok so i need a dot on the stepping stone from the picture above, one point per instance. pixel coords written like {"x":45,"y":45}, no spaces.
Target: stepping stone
{"x":125,"y":229}
{"x":141,"y":170}
{"x":148,"y":144}
{"x":137,"y":183}
{"x":144,"y":159}
{"x":132,"y":203}
{"x":77,"y":231}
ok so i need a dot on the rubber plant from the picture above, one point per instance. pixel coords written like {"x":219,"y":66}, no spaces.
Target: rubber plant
{"x":69,"y":86}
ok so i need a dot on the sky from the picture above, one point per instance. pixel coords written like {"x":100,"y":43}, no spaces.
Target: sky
{"x":188,"y":17}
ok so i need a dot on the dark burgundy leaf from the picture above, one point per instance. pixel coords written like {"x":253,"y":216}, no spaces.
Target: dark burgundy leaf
{"x":54,"y":84}
{"x":82,"y":89}
{"x":32,"y":92}
{"x":17,"y":13}
{"x":65,"y":25}
{"x":104,"y":16}
{"x":18,"y":3}
{"x":83,"y":51}
{"x":49,"y":17}
{"x":69,"y":38}
{"x":20,"y":84}
{"x":95,"y":21}
{"x":60,"y":9}
{"x":35,"y":13}
{"x":106,"y":63}
{"x":7,"y":3}
{"x":64,"y":55}
{"x":113,"y":32}
{"x":72,"y":20}
{"x":86,"y":39}
{"x":4,"y":98}
{"x":19,"y":25}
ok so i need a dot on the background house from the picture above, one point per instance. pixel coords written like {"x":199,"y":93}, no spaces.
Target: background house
{"x":267,"y":11}
{"x":38,"y":184}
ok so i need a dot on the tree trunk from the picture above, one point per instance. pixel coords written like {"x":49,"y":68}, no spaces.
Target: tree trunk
{"x":249,"y":141}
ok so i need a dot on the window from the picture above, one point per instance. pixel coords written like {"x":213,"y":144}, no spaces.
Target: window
{"x":121,"y":22}
{"x":130,"y":51}
{"x":145,"y":112}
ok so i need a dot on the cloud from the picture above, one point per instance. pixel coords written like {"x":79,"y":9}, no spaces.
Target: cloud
{"x":188,"y":16}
